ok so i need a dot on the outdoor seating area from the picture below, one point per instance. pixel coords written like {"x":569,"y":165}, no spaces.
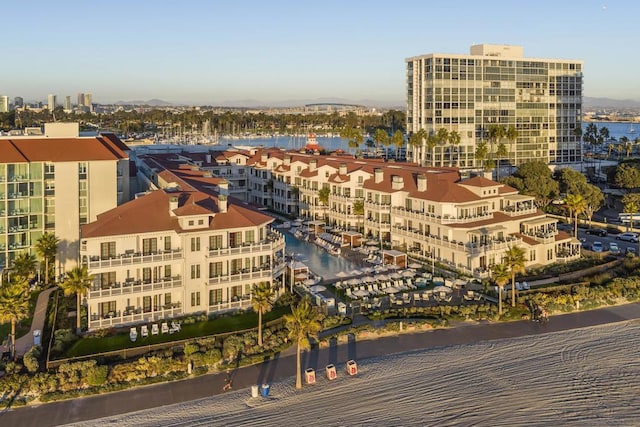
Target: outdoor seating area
{"x":156,"y":329}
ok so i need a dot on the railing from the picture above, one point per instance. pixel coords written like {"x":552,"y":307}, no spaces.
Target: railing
{"x":133,"y":287}
{"x":446,"y":219}
{"x":518,"y":212}
{"x":134,"y":258}
{"x":243,"y":302}
{"x":118,"y":319}
{"x":251,"y":275}
{"x":542,"y":237}
{"x":271,"y":244}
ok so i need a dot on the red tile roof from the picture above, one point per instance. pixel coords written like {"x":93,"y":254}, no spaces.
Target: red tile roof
{"x":103,"y":147}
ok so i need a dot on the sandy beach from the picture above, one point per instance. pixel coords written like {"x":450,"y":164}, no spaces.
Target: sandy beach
{"x":585,"y":377}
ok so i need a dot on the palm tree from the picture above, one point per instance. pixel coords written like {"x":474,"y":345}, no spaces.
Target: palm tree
{"x":24,"y":264}
{"x":46,"y":247}
{"x":323,"y":197}
{"x":358,"y":210}
{"x":381,"y":137}
{"x":78,"y":282}
{"x":576,"y":204}
{"x":262,"y":302}
{"x":515,"y":260}
{"x":432,"y":141}
{"x":303,"y":323}
{"x":454,"y":140}
{"x":416,"y":140}
{"x":512,"y":136}
{"x":14,"y":306}
{"x":397,"y":139}
{"x":501,"y":275}
{"x":482,"y":151}
{"x":442,"y":137}
{"x":353,"y":136}
{"x":495,"y":133}
{"x":500,"y":153}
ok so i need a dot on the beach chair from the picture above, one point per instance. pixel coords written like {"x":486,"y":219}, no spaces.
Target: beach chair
{"x":133,"y":334}
{"x":154,"y":329}
{"x":144,"y":331}
{"x":164,"y":328}
{"x":175,"y":327}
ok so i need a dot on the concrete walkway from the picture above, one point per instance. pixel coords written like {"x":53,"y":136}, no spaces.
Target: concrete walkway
{"x":24,"y":343}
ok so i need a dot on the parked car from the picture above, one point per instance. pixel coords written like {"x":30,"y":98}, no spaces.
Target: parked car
{"x":628,"y":237}
{"x":631,"y":251}
{"x":597,"y":232}
{"x":613,"y":248}
{"x":597,"y":247}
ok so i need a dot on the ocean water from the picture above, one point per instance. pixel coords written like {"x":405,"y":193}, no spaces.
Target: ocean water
{"x":287,"y":142}
{"x":617,"y":129}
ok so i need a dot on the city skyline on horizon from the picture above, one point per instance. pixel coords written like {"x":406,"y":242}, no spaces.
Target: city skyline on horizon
{"x":268,"y":54}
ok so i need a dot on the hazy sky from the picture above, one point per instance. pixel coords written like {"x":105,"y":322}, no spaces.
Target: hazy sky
{"x":221,"y":51}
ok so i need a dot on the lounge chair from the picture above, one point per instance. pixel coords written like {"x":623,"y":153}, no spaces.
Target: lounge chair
{"x":154,"y":329}
{"x":165,"y":328}
{"x":175,"y":327}
{"x":144,"y":331}
{"x":133,"y":334}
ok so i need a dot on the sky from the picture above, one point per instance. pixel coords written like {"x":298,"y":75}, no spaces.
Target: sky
{"x":269,"y":52}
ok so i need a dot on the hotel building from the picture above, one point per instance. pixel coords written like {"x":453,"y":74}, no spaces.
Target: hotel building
{"x":55,"y":183}
{"x":184,"y":247}
{"x":495,"y":84}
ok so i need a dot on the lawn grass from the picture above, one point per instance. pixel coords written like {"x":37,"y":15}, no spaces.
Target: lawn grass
{"x":121,"y":340}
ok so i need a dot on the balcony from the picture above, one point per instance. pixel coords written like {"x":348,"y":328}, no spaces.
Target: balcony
{"x":129,"y":287}
{"x":241,"y":302}
{"x":243,"y":275}
{"x":131,"y":258}
{"x":273,"y":243}
{"x":445,"y":219}
{"x":511,"y":211}
{"x":133,"y":315}
{"x":548,"y":237}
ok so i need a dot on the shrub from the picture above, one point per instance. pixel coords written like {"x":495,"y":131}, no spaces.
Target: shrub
{"x":191,"y":348}
{"x":97,"y":375}
{"x":30,"y":359}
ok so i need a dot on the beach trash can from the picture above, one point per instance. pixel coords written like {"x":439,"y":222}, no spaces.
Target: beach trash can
{"x":37,"y":339}
{"x":310,"y":376}
{"x":255,"y":392}
{"x":352,"y":367}
{"x":265,"y":390}
{"x":331,"y":372}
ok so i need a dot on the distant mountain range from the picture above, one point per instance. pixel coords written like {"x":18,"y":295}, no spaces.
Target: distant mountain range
{"x":591,"y":103}
{"x":254,"y":103}
{"x":588,"y":102}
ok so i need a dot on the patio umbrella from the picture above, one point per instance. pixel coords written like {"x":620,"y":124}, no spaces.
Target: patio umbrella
{"x":382,"y":277}
{"x":342,"y":274}
{"x":391,"y":290}
{"x":360,"y":293}
{"x":309,"y":282}
{"x":395,"y":276}
{"x":368,"y":279}
{"x":318,"y":288}
{"x":441,"y":288}
{"x":393,"y":266}
{"x":415,"y":265}
{"x":408,"y":273}
{"x":354,"y":282}
{"x":356,"y":273}
{"x":367,"y":269}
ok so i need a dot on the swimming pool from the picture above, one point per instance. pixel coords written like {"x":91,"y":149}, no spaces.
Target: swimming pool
{"x":318,"y":260}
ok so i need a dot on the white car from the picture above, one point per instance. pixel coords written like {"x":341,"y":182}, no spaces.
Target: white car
{"x":628,"y":237}
{"x":613,"y":248}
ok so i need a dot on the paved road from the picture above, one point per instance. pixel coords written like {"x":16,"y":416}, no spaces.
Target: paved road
{"x":283,"y":366}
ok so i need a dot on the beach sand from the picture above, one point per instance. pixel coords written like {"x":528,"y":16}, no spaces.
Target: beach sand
{"x":585,"y":377}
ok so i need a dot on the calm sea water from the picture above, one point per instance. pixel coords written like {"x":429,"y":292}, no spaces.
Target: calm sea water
{"x":317,"y":259}
{"x":618,"y":130}
{"x":288,"y":142}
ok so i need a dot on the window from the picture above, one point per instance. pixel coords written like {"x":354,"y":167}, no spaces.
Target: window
{"x":200,"y":221}
{"x":108,"y":308}
{"x":215,"y":269}
{"x":195,"y":299}
{"x":82,"y":170}
{"x":107,"y":279}
{"x":107,"y":250}
{"x":167,"y":243}
{"x":195,"y":244}
{"x":146,"y":275}
{"x":215,"y":242}
{"x":235,"y":239}
{"x":190,"y":222}
{"x":146,"y":304}
{"x":149,"y":246}
{"x":249,"y":236}
{"x":167,"y":271}
{"x":215,"y":296}
{"x":195,"y":271}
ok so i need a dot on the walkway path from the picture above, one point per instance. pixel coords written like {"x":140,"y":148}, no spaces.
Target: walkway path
{"x":24,"y":343}
{"x":282,"y":366}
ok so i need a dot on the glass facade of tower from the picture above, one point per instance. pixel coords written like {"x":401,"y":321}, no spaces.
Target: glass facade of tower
{"x":23,"y":208}
{"x":540,"y":98}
